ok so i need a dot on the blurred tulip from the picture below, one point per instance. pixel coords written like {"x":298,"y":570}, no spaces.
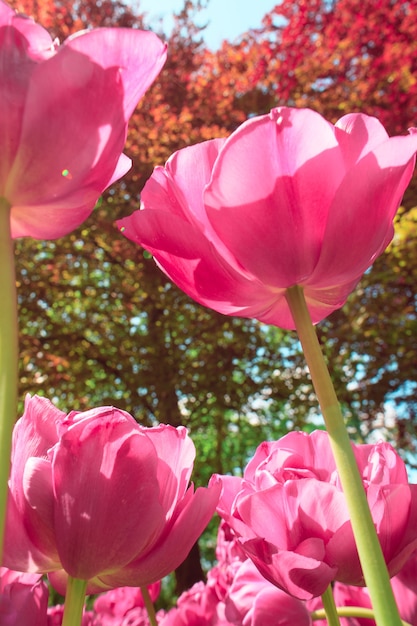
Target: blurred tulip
{"x":23,"y":599}
{"x":96,"y":496}
{"x":64,"y":112}
{"x":56,"y":615}
{"x":290,"y":515}
{"x":197,"y":606}
{"x":253,"y":601}
{"x":405,"y":590}
{"x":288,"y":199}
{"x":235,"y":594}
{"x":123,"y":605}
{"x":204,"y":604}
{"x":404,"y":585}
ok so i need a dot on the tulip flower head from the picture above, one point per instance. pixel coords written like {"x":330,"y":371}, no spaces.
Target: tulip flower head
{"x":64,"y":112}
{"x":56,"y":617}
{"x":290,"y":515}
{"x":404,"y":587}
{"x":23,"y":598}
{"x":253,"y":601}
{"x":405,"y":590}
{"x":124,"y":605}
{"x":96,"y":496}
{"x":288,"y":199}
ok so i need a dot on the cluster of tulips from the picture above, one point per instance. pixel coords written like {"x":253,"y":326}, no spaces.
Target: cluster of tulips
{"x":97,"y":497}
{"x":278,"y":222}
{"x":235,"y":593}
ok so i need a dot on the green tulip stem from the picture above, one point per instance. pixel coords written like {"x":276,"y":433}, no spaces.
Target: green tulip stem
{"x":149,"y":606}
{"x":330,"y":607}
{"x":74,"y":601}
{"x":370,"y":553}
{"x":348,"y":611}
{"x":8,"y":356}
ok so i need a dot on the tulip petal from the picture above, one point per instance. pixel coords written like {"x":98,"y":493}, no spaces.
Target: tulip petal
{"x":38,"y":508}
{"x":76,"y":108}
{"x":178,"y":188}
{"x":72,"y":168}
{"x":298,"y":575}
{"x":191,"y":517}
{"x":291,"y":611}
{"x":372,"y":190}
{"x":360,"y":135}
{"x":24,"y":599}
{"x":22,"y":44}
{"x":186,"y":173}
{"x":193,"y":263}
{"x":322,"y":301}
{"x":253,"y":601}
{"x":408,"y":543}
{"x":115,"y":48}
{"x":176,"y":454}
{"x":268,"y":179}
{"x":390,"y":508}
{"x":33,"y":435}
{"x":59,"y":581}
{"x":106,"y":508}
{"x":270,"y":516}
{"x":22,"y":551}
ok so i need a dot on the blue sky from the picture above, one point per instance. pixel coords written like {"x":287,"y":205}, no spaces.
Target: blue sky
{"x":227,"y":18}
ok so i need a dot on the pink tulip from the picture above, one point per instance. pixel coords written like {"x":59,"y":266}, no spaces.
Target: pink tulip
{"x":405,"y":590}
{"x":125,"y":602}
{"x":348,"y":596}
{"x":137,"y":616}
{"x":96,"y":496}
{"x":230,"y":557}
{"x":195,"y":607}
{"x":64,"y":112}
{"x":228,"y":549}
{"x":205,"y":604}
{"x":404,"y":586}
{"x":253,"y":601}
{"x":23,"y":599}
{"x":288,"y":199}
{"x":198,"y":606}
{"x":56,"y":615}
{"x":235,"y":594}
{"x":291,"y":519}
